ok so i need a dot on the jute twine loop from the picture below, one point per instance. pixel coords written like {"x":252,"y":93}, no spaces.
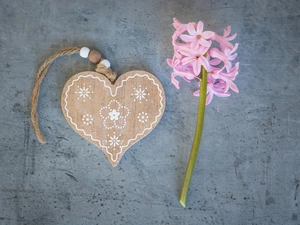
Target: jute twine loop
{"x":39,"y":78}
{"x":111,"y":75}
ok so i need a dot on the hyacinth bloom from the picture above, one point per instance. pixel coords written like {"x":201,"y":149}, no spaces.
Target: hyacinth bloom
{"x":196,"y":35}
{"x":213,"y":67}
{"x":192,"y":50}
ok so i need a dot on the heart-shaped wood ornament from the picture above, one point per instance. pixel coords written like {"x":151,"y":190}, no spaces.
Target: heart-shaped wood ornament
{"x":113,"y":116}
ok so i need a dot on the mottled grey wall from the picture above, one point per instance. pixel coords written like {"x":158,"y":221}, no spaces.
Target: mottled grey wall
{"x":248,"y":169}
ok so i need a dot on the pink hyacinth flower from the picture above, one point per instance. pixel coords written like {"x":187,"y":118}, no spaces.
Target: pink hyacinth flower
{"x":226,"y":56}
{"x":195,"y":57}
{"x":224,"y":40}
{"x":192,"y":50}
{"x":180,"y":27}
{"x":197,"y":36}
{"x":186,"y":72}
{"x":228,"y":77}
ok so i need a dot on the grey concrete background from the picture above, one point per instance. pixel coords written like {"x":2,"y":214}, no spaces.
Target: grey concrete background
{"x":248,"y":169}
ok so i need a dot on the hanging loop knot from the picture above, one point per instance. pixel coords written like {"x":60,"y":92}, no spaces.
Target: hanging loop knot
{"x":106,"y":71}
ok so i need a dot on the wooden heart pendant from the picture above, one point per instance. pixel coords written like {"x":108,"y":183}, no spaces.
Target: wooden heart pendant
{"x":113,"y":116}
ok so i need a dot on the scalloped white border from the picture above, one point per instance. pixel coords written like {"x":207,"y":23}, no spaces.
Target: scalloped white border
{"x":114,"y":95}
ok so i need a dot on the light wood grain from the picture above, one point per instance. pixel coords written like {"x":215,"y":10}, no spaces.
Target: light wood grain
{"x":113,"y":116}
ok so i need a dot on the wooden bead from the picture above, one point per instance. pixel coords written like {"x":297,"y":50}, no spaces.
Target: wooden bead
{"x":94,"y":56}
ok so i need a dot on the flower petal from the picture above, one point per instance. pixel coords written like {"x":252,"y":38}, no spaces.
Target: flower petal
{"x":220,"y":94}
{"x":231,"y":37}
{"x":191,"y":28}
{"x":196,"y":93}
{"x":236,"y":45}
{"x":180,"y":27}
{"x":176,"y":23}
{"x":203,"y":61}
{"x":188,"y":75}
{"x":196,"y":66}
{"x":207,"y":34}
{"x":186,"y":79}
{"x":177,"y":55}
{"x":233,"y":87}
{"x":224,"y":43}
{"x":210,"y":80}
{"x":195,"y":44}
{"x":232,"y":57}
{"x":204,"y":42}
{"x":216,"y":53}
{"x":228,"y":65}
{"x":215,"y":62}
{"x":200,"y":27}
{"x":170,"y":62}
{"x":227,"y":31}
{"x":186,"y":51}
{"x":188,"y":59}
{"x":202,"y":49}
{"x":187,"y":38}
{"x":209,"y":98}
{"x":174,"y":81}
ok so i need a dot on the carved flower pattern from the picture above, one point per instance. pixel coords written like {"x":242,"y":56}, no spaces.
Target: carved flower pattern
{"x":114,"y":115}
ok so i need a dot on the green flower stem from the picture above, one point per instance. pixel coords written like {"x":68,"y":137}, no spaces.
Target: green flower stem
{"x":197,"y":138}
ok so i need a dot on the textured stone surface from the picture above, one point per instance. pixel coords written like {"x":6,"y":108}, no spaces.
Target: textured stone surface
{"x":248,"y":169}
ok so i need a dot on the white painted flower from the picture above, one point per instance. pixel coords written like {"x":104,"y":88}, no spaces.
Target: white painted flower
{"x":114,"y":141}
{"x":114,"y":115}
{"x":143,"y":117}
{"x":87,"y":119}
{"x":83,"y":92}
{"x":140,"y":94}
